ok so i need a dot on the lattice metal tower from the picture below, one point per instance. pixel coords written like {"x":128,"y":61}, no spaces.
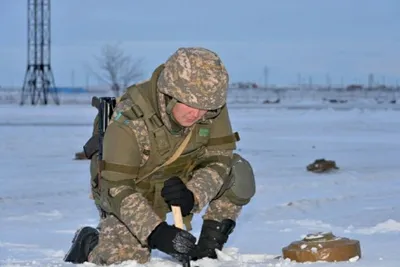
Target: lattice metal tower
{"x":39,"y":79}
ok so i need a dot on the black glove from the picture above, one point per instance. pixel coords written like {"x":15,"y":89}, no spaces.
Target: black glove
{"x":175,"y":193}
{"x":176,"y":242}
{"x":213,"y":236}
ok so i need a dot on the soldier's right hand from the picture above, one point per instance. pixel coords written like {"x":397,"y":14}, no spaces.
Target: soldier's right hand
{"x":176,"y":242}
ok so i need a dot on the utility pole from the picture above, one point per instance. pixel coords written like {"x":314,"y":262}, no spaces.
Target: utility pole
{"x":39,"y":79}
{"x":266,"y":72}
{"x":328,"y":81}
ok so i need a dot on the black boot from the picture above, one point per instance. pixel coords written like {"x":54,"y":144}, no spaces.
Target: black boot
{"x":213,"y":236}
{"x":85,"y":239}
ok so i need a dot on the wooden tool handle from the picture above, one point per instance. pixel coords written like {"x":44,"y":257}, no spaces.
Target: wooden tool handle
{"x":176,"y":212}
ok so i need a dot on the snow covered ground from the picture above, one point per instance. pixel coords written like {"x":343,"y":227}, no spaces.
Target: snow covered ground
{"x":44,"y":192}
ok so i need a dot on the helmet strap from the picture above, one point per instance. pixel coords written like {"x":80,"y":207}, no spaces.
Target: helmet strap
{"x":176,"y":127}
{"x":171,"y":104}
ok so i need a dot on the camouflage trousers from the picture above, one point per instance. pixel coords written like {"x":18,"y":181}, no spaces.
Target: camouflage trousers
{"x":117,"y":244}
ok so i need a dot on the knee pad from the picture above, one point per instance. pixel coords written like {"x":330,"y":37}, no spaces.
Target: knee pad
{"x":240,"y":186}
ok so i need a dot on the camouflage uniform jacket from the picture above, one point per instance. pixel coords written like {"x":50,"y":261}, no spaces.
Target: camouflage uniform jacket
{"x":139,"y":138}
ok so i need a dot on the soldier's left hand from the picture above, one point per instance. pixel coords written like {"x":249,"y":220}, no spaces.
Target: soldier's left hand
{"x":175,"y":193}
{"x":174,"y":241}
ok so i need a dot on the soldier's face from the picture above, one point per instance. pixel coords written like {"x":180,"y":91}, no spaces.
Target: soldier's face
{"x":187,"y":116}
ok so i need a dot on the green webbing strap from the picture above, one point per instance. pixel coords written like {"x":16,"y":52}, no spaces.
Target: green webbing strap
{"x":113,"y":167}
{"x":133,"y":113}
{"x":148,"y":112}
{"x":224,"y":139}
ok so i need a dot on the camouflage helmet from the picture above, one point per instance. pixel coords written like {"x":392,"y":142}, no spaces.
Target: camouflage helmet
{"x":195,"y":77}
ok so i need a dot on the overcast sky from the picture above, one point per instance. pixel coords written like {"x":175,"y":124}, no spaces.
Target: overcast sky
{"x":345,"y":39}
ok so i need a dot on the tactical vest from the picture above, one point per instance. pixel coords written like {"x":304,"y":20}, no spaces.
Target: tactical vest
{"x":162,"y":145}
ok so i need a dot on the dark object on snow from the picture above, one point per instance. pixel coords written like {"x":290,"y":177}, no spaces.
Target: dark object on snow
{"x":334,"y":101}
{"x":84,"y":241}
{"x":277,"y":101}
{"x":322,"y":165}
{"x":80,"y":155}
{"x":323,"y":247}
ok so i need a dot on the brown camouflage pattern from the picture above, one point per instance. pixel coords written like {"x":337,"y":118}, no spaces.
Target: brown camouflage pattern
{"x":222,"y":208}
{"x":196,"y":77}
{"x":206,"y":182}
{"x":117,"y":244}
